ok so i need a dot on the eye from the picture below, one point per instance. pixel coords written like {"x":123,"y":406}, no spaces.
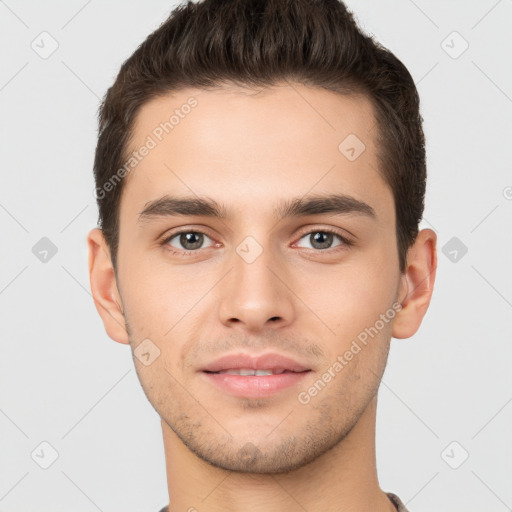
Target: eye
{"x":322,"y":239}
{"x":186,"y":241}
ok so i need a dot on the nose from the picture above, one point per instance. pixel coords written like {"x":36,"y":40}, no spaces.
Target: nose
{"x":256,"y":295}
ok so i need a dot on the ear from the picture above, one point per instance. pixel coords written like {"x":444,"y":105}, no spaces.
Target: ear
{"x":104,"y":287}
{"x":417,"y":284}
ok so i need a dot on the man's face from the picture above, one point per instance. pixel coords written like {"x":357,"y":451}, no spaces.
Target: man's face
{"x":255,"y":282}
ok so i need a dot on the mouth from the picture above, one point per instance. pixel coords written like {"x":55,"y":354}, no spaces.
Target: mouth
{"x":246,"y":376}
{"x":246,"y":372}
{"x":244,"y":362}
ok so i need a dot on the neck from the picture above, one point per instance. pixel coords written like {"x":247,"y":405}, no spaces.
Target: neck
{"x":343,"y":479}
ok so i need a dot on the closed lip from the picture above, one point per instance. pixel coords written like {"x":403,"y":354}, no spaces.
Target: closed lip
{"x":269,"y":361}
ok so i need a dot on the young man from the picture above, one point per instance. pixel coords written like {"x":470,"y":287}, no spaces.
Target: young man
{"x":260,"y":176}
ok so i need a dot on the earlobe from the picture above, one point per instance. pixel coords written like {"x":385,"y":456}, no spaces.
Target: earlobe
{"x":417,"y":284}
{"x":104,"y":287}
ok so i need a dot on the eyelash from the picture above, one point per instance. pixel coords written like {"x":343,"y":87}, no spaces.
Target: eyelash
{"x":345,"y":241}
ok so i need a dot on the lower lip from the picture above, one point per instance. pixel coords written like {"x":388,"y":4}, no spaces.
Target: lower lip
{"x":252,"y":386}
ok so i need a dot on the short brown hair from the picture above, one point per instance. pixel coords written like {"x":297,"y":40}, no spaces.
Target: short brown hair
{"x":261,"y":43}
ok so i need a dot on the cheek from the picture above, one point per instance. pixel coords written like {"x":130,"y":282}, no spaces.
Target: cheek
{"x":167,"y":305}
{"x":153,"y":293}
{"x":350,"y":297}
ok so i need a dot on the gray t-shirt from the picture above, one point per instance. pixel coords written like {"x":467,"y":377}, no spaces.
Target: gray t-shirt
{"x":400,"y":507}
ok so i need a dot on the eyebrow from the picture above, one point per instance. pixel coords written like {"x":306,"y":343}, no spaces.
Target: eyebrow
{"x":337,"y":204}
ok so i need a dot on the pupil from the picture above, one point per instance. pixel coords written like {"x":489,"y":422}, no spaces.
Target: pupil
{"x":322,"y":240}
{"x":187,"y":240}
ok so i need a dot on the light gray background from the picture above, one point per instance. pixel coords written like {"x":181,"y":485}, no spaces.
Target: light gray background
{"x":65,"y":382}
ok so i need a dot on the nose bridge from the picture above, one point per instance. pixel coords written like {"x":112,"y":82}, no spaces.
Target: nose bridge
{"x":253,"y":296}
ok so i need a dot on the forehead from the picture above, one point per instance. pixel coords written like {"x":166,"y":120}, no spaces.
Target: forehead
{"x":292,"y":114}
{"x":259,"y":143}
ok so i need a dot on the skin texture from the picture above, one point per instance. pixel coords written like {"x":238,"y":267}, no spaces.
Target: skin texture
{"x":249,"y":150}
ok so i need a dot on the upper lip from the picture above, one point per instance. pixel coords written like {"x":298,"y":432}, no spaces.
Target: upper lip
{"x":269,"y":361}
